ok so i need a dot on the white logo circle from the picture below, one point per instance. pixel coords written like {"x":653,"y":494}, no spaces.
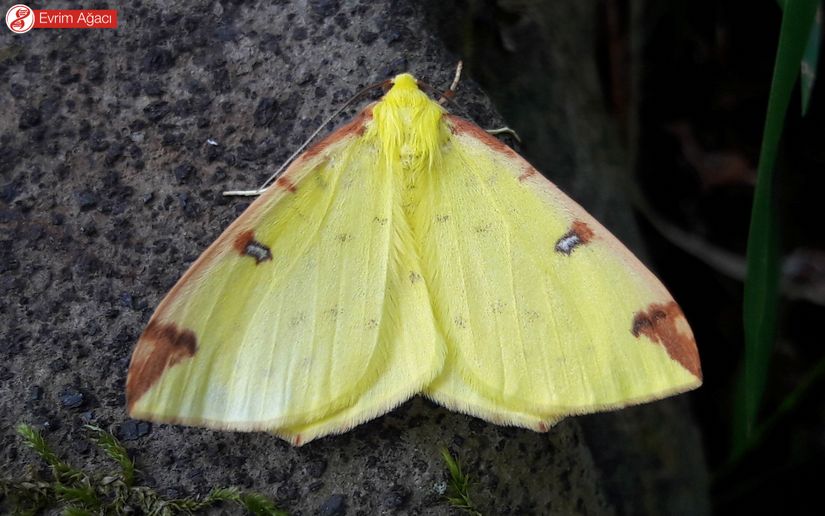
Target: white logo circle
{"x":20,"y":18}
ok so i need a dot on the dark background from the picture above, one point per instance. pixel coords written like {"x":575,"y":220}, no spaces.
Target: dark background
{"x":648,"y":113}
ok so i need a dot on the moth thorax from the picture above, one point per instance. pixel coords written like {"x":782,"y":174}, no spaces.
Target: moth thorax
{"x":409,"y":127}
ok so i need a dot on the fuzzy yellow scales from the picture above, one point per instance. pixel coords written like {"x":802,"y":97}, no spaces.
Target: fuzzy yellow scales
{"x":409,"y":253}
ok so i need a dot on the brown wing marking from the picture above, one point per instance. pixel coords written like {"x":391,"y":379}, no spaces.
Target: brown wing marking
{"x":284,"y":183}
{"x":527,"y":174}
{"x":579,"y":234}
{"x":354,"y":126}
{"x":458,"y":125}
{"x":229,"y":238}
{"x":164,"y":345}
{"x":160,"y":347}
{"x":246,"y":245}
{"x":664,"y":324}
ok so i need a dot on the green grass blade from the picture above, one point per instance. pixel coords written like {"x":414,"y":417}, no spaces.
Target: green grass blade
{"x":34,"y":440}
{"x":791,"y":402}
{"x":254,"y":503}
{"x":63,"y":471}
{"x":114,"y":449}
{"x":458,"y":487}
{"x":259,"y":505}
{"x":83,"y":494}
{"x":761,"y":284}
{"x":79,"y":493}
{"x":810,"y":60}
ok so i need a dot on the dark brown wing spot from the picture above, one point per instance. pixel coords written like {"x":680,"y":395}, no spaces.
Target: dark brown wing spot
{"x":297,"y":320}
{"x":579,"y":234}
{"x":160,"y":347}
{"x":528,"y":173}
{"x":583,"y":230}
{"x":498,"y":307}
{"x":284,"y":183}
{"x":246,"y":245}
{"x":242,"y":240}
{"x":531,"y":316}
{"x":414,"y":277}
{"x":664,"y":324}
{"x":483,"y":229}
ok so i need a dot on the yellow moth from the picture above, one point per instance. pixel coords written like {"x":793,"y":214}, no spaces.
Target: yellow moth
{"x":407,"y":253}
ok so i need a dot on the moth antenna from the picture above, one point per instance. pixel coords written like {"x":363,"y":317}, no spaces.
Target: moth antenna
{"x":504,"y":130}
{"x":443,"y":97}
{"x":448,"y":96}
{"x":300,"y":149}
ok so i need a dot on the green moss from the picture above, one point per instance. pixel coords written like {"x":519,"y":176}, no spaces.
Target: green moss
{"x":76,"y":493}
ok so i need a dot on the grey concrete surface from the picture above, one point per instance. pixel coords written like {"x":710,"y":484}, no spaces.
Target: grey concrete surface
{"x":109,"y":189}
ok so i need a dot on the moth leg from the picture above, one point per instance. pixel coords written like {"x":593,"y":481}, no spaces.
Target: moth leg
{"x":244,"y":193}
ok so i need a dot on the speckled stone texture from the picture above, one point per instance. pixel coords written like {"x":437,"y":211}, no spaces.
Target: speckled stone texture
{"x":114,"y":149}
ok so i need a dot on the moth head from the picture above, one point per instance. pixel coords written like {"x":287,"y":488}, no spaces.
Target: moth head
{"x":405,"y":81}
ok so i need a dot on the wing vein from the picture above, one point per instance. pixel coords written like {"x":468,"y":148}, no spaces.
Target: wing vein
{"x":508,"y":229}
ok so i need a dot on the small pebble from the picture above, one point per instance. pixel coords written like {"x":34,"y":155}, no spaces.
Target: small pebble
{"x":132,"y":430}
{"x":72,"y":398}
{"x":86,"y":200}
{"x":335,"y":505}
{"x":317,"y":468}
{"x":36,"y":393}
{"x":184,"y":171}
{"x":126,"y":300}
